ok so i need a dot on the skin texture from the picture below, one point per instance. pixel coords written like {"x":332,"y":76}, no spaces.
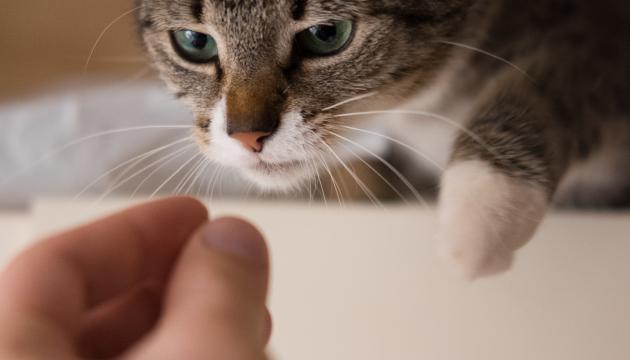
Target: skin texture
{"x":121,"y":288}
{"x":541,"y":89}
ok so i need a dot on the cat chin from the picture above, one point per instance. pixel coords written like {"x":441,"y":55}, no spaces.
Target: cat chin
{"x":286,"y":180}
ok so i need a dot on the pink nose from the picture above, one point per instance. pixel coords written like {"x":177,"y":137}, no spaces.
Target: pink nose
{"x":252,"y":141}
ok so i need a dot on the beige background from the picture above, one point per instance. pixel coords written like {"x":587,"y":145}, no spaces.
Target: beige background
{"x":365,"y":283}
{"x":43,"y":41}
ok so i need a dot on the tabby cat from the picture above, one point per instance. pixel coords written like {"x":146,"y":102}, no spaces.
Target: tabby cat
{"x":536,"y":94}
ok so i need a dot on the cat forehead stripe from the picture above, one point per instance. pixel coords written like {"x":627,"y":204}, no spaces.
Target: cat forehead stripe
{"x":298,"y":9}
{"x":197,"y":7}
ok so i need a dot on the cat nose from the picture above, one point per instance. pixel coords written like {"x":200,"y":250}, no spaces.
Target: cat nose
{"x":252,"y":141}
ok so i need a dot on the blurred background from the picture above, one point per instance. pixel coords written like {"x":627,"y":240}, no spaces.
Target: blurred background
{"x":354,"y":282}
{"x":46,"y":42}
{"x":51,"y":99}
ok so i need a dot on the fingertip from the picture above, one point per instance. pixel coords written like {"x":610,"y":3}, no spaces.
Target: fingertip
{"x":217,"y":293}
{"x":236,"y":237}
{"x":268,"y":327}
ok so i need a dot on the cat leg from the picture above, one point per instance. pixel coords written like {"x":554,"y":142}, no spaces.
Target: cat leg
{"x":496,"y":191}
{"x":485,"y":216}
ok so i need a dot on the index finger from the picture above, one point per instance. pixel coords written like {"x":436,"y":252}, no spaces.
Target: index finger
{"x":66,"y":274}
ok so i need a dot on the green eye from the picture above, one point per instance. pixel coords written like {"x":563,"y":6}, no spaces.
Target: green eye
{"x":326,"y":39}
{"x":195,"y":47}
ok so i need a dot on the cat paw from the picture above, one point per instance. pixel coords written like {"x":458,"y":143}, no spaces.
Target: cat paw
{"x":470,"y":256}
{"x":485,"y":216}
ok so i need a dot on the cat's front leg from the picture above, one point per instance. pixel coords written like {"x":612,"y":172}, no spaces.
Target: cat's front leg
{"x":496,"y":191}
{"x":485,"y":216}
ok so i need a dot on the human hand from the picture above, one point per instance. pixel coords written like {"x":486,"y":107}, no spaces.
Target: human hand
{"x":154,"y":282}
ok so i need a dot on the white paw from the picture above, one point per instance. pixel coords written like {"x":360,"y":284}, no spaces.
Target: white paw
{"x":485,"y":217}
{"x":471,"y":257}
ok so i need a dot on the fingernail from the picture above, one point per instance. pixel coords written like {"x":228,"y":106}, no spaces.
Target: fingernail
{"x":235,"y":237}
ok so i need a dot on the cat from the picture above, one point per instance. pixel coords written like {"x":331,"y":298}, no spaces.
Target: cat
{"x":537,"y":95}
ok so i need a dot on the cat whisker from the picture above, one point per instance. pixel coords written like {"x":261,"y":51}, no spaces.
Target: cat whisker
{"x":175,"y":173}
{"x":396,"y":141}
{"x":215,"y":180}
{"x":351,"y":100}
{"x":188,"y":176}
{"x":160,"y":164}
{"x":135,"y":174}
{"x":116,"y":59}
{"x":354,"y":176}
{"x":249,"y":191}
{"x":133,"y":161}
{"x":333,"y":180}
{"x":318,"y":180}
{"x":124,"y":83}
{"x":392,"y":168}
{"x":489,"y":54}
{"x":212,"y":183}
{"x":377,"y":173}
{"x":438,"y":117}
{"x":339,"y":173}
{"x":54,"y":152}
{"x":222,"y":181}
{"x":311,"y":183}
{"x":206,"y":194}
{"x":102,"y":34}
{"x":203,"y":171}
{"x":311,"y":163}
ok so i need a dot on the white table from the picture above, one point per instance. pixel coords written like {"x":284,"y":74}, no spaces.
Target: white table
{"x":363,"y":283}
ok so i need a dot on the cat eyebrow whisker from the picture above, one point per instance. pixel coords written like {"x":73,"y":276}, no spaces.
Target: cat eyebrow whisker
{"x":112,"y":59}
{"x":353,"y":99}
{"x":102,"y":34}
{"x":489,"y":54}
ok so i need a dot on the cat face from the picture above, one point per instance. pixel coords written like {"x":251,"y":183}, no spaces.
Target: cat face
{"x":261,"y":75}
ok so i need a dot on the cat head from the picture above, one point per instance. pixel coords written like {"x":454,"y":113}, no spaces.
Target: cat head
{"x":262,"y":76}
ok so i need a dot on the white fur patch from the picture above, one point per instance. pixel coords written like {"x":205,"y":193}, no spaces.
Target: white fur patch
{"x":291,"y":143}
{"x":485,"y":216}
{"x":432,"y":136}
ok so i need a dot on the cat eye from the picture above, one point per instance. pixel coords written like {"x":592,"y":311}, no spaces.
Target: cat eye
{"x":326,"y":39}
{"x":194,"y":46}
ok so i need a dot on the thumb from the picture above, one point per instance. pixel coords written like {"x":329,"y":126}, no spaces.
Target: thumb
{"x":215,"y":302}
